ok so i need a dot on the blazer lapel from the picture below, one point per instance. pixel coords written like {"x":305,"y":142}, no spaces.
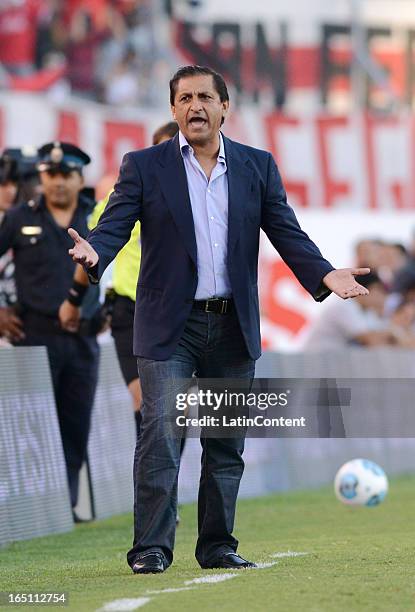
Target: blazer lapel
{"x":173,"y":183}
{"x":239,"y":185}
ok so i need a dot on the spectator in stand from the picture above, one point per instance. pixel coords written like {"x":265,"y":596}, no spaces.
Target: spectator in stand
{"x":359,"y":322}
{"x":51,"y":34}
{"x":404,"y":287}
{"x":122,"y":88}
{"x":96,"y":8}
{"x":18,"y":24}
{"x":81,"y":51}
{"x":86,"y":36}
{"x":403,"y":322}
{"x":384,"y":258}
{"x":392,"y":258}
{"x":141,"y":37}
{"x":367,"y":253}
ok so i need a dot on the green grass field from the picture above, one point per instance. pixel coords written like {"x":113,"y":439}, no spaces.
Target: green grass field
{"x":358,"y":559}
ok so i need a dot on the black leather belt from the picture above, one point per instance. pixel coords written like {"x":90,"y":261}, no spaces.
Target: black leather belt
{"x":216,"y":305}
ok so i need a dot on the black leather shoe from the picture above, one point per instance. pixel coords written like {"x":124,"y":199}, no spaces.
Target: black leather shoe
{"x":150,"y":563}
{"x":229,"y":560}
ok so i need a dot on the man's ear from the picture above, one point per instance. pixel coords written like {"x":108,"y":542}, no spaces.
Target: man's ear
{"x":173,"y":112}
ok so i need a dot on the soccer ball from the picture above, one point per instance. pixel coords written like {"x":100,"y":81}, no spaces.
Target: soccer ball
{"x":361,"y":482}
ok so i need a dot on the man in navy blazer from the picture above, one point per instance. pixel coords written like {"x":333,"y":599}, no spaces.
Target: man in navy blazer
{"x":201,"y":199}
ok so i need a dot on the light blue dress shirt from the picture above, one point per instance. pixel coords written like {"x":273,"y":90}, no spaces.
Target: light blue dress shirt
{"x":209,"y":201}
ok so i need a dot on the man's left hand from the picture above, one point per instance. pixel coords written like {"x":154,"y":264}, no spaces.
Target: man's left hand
{"x":343,"y":282}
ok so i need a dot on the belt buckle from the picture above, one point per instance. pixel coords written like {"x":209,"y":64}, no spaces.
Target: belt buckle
{"x":207,"y":305}
{"x":223,"y":305}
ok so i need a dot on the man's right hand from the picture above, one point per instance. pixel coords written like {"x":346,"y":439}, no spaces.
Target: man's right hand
{"x":10,"y":325}
{"x":82,"y":252}
{"x":69,"y":316}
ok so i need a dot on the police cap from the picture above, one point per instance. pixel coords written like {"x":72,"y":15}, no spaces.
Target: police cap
{"x":18,"y":164}
{"x":61,"y":156}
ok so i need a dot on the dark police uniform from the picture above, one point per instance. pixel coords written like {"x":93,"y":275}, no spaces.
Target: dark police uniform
{"x":8,"y":174}
{"x":44,"y":274}
{"x":17,"y":166}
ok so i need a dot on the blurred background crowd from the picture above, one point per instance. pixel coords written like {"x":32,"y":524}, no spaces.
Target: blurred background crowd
{"x":103,"y":50}
{"x":385,"y":317}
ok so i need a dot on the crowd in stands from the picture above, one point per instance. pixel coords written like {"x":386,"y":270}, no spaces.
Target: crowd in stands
{"x":109,"y":50}
{"x":385,"y":317}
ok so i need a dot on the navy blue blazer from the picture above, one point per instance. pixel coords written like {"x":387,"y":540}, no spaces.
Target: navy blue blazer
{"x":152,"y":188}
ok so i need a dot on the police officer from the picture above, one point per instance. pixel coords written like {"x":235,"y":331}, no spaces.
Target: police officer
{"x":18,"y":183}
{"x":9,"y":323}
{"x":37,"y":233}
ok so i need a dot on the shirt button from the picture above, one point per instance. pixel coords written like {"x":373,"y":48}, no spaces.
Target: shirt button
{"x":213,"y":218}
{"x":216,"y":244}
{"x":209,"y":191}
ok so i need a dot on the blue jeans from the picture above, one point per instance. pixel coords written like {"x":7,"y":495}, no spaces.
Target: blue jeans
{"x":211,"y":346}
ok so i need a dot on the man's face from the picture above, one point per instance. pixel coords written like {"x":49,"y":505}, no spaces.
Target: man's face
{"x":197,"y":109}
{"x":8,"y":192}
{"x":61,"y":189}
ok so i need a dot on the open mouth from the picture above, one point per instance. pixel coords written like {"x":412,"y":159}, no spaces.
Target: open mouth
{"x":197,"y":121}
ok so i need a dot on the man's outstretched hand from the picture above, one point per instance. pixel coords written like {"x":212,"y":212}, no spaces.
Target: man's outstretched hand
{"x":82,"y":252}
{"x":343,"y":282}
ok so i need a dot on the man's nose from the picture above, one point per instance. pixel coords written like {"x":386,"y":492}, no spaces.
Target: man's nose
{"x":196,"y":104}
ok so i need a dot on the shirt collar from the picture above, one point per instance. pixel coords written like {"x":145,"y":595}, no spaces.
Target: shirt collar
{"x":185,"y":146}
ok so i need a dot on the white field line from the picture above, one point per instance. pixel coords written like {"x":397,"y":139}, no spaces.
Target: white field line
{"x":121,"y":605}
{"x":263,"y":565}
{"x":124,"y":605}
{"x":171,"y":590}
{"x":289,"y":553}
{"x":213,"y":578}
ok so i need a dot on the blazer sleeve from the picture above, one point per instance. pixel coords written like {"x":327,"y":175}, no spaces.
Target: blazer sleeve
{"x":119,"y":217}
{"x":298,"y":251}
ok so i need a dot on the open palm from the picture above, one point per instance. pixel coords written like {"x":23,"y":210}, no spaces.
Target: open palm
{"x":343,"y":283}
